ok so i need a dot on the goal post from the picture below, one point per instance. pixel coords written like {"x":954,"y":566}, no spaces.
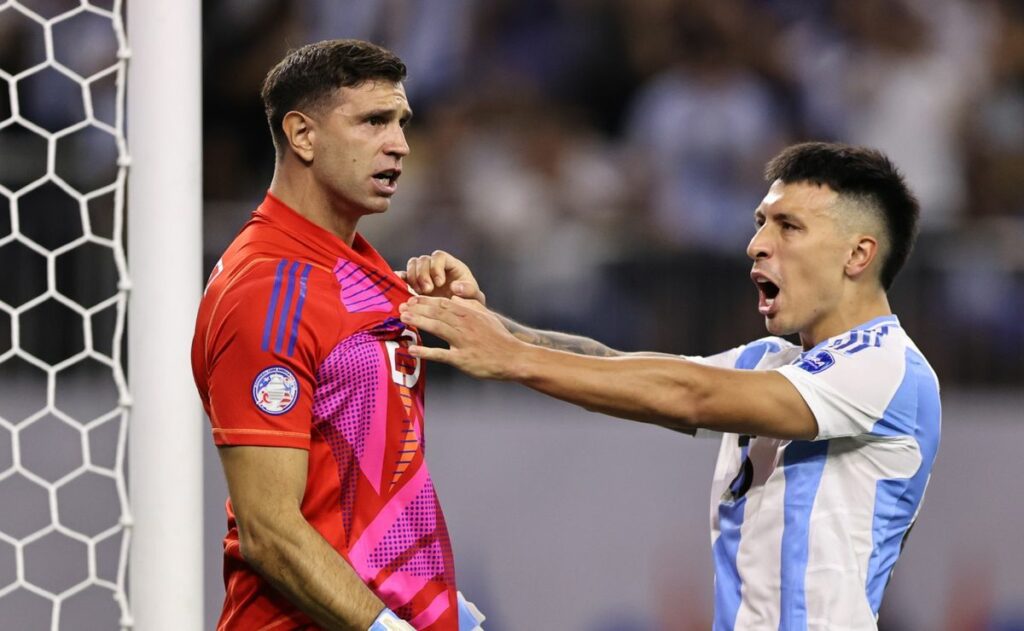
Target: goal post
{"x":165,"y":258}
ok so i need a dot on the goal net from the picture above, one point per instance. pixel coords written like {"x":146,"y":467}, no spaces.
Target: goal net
{"x":64,"y":519}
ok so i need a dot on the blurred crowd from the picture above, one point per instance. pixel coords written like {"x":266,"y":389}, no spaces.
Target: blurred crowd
{"x":597,"y":162}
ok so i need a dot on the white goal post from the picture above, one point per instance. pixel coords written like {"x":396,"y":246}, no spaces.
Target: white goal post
{"x":78,"y":535}
{"x":165,"y":258}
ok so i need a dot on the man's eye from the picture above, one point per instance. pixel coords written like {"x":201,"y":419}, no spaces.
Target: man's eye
{"x":788,"y":226}
{"x":377,"y":120}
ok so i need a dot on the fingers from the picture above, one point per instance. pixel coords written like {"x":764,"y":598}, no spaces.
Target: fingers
{"x":440,"y":262}
{"x":441,"y":274}
{"x":418,"y":274}
{"x":429,"y":353}
{"x":437,"y":316}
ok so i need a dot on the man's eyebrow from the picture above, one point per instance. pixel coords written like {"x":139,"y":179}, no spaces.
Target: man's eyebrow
{"x":785,"y":217}
{"x":389,"y":112}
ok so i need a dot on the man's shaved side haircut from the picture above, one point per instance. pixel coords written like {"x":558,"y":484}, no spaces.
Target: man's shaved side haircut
{"x":308,"y":75}
{"x":858,"y":174}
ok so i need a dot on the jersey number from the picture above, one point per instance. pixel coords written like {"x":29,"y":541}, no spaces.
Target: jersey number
{"x":405,"y":369}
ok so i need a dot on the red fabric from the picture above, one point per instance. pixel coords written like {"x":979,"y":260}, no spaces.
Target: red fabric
{"x":291,"y":298}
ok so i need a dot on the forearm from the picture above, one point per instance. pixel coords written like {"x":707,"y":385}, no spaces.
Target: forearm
{"x":661,"y":391}
{"x":300,"y":564}
{"x":670,"y":392}
{"x":559,"y":341}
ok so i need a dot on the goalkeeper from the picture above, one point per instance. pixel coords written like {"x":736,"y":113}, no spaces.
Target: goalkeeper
{"x":303,"y":367}
{"x":827,"y":444}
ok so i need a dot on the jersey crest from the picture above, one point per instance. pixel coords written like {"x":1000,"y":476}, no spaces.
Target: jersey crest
{"x":275,"y":390}
{"x":818,"y":362}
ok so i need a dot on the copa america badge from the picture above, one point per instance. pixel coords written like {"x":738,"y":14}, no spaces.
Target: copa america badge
{"x":275,"y":390}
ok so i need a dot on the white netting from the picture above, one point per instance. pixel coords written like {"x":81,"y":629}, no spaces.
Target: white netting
{"x":64,"y":520}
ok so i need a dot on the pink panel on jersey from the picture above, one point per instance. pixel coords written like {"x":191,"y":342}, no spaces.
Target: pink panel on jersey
{"x":433,"y":611}
{"x":362,"y":291}
{"x":399,"y":588}
{"x":417,"y":518}
{"x":352,"y":396}
{"x":359,"y":554}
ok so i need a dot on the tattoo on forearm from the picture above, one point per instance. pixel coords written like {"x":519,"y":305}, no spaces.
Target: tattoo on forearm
{"x":559,"y":341}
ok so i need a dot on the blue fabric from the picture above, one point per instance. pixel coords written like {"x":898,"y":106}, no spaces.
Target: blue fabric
{"x":804,"y":462}
{"x":272,"y":309}
{"x":727,"y":577}
{"x":914,"y":411}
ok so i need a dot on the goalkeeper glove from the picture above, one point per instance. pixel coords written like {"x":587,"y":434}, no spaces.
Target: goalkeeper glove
{"x":388,"y":621}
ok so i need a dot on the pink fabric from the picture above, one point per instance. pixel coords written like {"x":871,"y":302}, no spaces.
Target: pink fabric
{"x":399,"y":588}
{"x":362,"y":291}
{"x":352,"y":397}
{"x":372,"y":459}
{"x":361,"y":550}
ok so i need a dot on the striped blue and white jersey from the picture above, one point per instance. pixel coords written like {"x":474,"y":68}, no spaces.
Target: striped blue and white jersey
{"x":805,"y":534}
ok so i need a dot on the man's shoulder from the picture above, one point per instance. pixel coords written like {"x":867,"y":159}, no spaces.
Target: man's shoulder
{"x":258,"y":292}
{"x":248,"y":275}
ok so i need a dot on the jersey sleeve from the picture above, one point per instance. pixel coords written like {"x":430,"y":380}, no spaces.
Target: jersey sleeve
{"x":262,"y":354}
{"x":747,"y":357}
{"x":847,"y":393}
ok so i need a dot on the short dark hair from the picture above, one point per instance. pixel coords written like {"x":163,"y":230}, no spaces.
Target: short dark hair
{"x":308,"y":75}
{"x":859,"y":173}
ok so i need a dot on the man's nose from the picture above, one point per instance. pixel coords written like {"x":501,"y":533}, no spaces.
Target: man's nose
{"x":397,"y":145}
{"x":759,"y":246}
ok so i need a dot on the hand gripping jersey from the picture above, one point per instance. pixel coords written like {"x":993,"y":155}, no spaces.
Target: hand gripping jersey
{"x":298,"y":344}
{"x":805,"y":534}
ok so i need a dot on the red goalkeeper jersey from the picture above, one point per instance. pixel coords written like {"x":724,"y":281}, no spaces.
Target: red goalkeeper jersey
{"x":298,"y":344}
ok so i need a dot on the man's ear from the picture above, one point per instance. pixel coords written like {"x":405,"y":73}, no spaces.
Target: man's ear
{"x":864,"y":251}
{"x":300,"y":133}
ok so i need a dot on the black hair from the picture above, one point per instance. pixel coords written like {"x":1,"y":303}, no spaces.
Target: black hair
{"x":309,"y":74}
{"x":858,"y":173}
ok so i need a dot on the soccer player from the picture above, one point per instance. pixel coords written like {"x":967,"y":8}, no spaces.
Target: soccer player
{"x":828,"y":445}
{"x":303,"y":367}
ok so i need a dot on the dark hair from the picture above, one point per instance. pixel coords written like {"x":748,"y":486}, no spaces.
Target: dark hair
{"x":859,"y":173}
{"x":309,"y":74}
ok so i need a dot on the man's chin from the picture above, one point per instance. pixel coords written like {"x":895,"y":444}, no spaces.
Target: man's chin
{"x":377,"y":206}
{"x":776,"y":326}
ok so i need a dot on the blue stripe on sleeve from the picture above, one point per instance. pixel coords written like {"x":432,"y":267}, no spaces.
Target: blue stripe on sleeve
{"x":298,"y":309}
{"x":804,"y":462}
{"x":272,"y":309}
{"x":915,"y":410}
{"x":286,"y":307}
{"x":754,"y":353}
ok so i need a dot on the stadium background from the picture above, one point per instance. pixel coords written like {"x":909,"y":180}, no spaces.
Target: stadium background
{"x":597,"y":162}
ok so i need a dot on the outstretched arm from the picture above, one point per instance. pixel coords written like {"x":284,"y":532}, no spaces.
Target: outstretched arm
{"x":441,"y":275}
{"x":667,"y":391}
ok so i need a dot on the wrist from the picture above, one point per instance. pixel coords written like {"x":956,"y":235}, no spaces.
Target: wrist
{"x":523,"y":360}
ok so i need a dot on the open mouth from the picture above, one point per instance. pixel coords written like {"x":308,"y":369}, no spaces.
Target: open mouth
{"x":387,"y":178}
{"x":767,"y":291}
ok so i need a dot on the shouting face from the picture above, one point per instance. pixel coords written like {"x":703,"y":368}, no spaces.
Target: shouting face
{"x":801,"y":252}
